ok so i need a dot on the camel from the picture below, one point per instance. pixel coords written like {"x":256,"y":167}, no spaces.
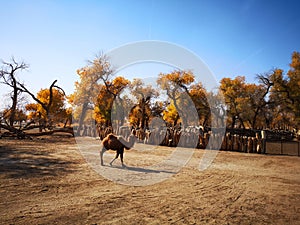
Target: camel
{"x":116,"y":143}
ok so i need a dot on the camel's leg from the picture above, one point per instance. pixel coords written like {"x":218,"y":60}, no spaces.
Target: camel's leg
{"x":101,"y":154}
{"x":117,"y":156}
{"x":121,"y":156}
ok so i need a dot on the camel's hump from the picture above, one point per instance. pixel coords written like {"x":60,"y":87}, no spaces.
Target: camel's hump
{"x":111,"y":136}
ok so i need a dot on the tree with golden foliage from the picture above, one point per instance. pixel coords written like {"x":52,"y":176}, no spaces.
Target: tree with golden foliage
{"x":184,"y":93}
{"x":19,"y":116}
{"x":273,"y":103}
{"x":293,"y":87}
{"x":234,"y":94}
{"x":246,"y":102}
{"x":199,"y":96}
{"x":108,"y":97}
{"x":141,"y":112}
{"x":285,"y":95}
{"x":87,"y":88}
{"x":54,"y":113}
{"x":170,"y":115}
{"x":176,"y":84}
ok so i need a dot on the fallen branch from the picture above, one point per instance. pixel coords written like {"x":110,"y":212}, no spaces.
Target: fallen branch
{"x":14,"y":132}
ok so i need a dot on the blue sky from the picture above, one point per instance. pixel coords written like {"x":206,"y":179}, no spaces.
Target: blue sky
{"x":234,"y":38}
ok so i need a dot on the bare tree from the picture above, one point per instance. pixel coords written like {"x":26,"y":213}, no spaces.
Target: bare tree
{"x":8,"y":77}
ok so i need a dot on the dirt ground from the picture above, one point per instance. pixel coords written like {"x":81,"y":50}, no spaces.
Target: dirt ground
{"x":48,"y":181}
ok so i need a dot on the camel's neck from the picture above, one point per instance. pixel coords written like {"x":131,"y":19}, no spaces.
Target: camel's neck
{"x":128,"y":143}
{"x":131,"y":141}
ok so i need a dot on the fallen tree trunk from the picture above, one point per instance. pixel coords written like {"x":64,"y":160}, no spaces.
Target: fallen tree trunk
{"x":68,"y":130}
{"x":21,"y":134}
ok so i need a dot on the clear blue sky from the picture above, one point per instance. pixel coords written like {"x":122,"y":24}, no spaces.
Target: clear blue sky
{"x":242,"y":37}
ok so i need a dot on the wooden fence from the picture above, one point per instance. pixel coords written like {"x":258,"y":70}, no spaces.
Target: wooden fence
{"x":283,"y":147}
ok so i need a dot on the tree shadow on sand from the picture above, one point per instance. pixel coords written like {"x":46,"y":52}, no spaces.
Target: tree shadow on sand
{"x":27,"y":162}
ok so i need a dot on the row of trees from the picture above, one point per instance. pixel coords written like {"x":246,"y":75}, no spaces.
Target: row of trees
{"x":272,"y":102}
{"x":111,"y":100}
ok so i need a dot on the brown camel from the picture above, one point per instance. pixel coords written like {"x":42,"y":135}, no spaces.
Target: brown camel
{"x":116,"y":143}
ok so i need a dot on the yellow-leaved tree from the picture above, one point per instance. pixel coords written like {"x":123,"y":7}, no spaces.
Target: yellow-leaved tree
{"x":170,"y":115}
{"x":177,"y":84}
{"x":108,"y":99}
{"x":87,"y":88}
{"x":285,"y":96}
{"x":234,"y":94}
{"x":55,"y":112}
{"x":96,"y":91}
{"x":141,"y":112}
{"x":188,"y":98}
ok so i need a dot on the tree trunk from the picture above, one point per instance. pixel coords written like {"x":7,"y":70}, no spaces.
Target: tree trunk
{"x":81,"y":119}
{"x":14,"y":102}
{"x":242,"y":122}
{"x":143,"y":105}
{"x":232,"y":122}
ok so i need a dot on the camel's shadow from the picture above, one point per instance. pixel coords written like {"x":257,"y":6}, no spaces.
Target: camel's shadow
{"x":139,"y":169}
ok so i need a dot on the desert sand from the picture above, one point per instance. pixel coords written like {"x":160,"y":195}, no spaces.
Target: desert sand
{"x":48,"y":181}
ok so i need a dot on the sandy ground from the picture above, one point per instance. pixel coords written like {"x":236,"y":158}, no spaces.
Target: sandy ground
{"x":48,"y":181}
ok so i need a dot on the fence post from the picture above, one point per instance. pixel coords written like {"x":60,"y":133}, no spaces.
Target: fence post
{"x":263,"y":141}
